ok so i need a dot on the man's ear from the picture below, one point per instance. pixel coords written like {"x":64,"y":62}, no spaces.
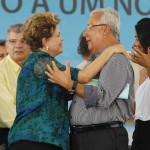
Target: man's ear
{"x":107,"y":30}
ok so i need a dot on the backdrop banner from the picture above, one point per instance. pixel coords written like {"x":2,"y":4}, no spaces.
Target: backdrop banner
{"x":74,"y":15}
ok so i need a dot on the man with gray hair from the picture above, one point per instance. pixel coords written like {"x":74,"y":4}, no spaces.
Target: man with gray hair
{"x":97,"y":121}
{"x":98,"y":112}
{"x":10,"y":68}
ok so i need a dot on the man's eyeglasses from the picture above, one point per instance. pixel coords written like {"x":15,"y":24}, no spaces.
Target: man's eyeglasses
{"x":89,"y":27}
{"x":14,"y":41}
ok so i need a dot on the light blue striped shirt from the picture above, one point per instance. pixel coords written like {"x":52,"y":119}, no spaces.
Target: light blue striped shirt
{"x":101,"y":103}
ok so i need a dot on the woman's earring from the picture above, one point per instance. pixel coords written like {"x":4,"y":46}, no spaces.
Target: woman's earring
{"x":47,"y":47}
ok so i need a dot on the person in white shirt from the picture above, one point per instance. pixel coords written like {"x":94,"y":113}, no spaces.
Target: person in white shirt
{"x":141,"y":56}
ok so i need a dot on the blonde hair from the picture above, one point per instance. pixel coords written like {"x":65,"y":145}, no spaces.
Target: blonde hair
{"x":39,"y":26}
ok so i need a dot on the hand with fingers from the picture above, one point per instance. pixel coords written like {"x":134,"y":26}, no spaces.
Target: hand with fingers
{"x":119,"y":48}
{"x":62,"y":78}
{"x":140,"y":57}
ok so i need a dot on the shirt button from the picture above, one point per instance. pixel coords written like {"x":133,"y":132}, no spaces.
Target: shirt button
{"x":71,"y":117}
{"x":74,"y":101}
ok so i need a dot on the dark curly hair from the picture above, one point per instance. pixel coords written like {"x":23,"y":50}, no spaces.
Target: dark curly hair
{"x":83,"y":46}
{"x":39,"y":26}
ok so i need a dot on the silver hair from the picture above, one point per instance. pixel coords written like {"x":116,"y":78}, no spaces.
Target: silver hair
{"x":110,"y":17}
{"x":16,"y":28}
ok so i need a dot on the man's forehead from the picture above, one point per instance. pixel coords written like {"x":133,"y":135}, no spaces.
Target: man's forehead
{"x":14,"y":35}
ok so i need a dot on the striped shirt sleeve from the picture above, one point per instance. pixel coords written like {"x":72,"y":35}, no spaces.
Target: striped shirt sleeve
{"x":112,"y":79}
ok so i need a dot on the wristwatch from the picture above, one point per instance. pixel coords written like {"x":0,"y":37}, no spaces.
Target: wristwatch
{"x":73,"y":89}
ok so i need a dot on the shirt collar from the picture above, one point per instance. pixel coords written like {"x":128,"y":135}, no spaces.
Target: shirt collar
{"x":13,"y":64}
{"x":94,"y":56}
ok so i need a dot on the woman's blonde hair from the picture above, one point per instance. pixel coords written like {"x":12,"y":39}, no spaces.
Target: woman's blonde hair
{"x":39,"y":26}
